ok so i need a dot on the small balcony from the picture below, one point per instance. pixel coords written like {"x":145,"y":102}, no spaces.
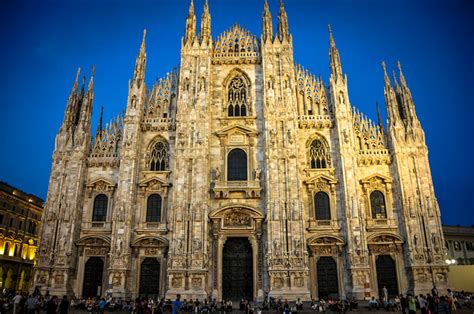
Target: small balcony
{"x":320,"y":225}
{"x":94,"y":226}
{"x":236,"y":189}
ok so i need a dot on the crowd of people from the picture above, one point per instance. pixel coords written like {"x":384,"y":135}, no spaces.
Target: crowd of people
{"x":23,"y":303}
{"x":433,"y":303}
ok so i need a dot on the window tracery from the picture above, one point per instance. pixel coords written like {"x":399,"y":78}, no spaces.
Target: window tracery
{"x":237,"y":94}
{"x":318,"y":155}
{"x":321,"y":204}
{"x":377,"y":203}
{"x":237,"y":165}
{"x":153,"y":208}
{"x":159,"y":157}
{"x":100,"y":208}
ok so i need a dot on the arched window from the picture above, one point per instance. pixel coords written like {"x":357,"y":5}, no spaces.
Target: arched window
{"x":377,"y":203}
{"x":153,"y":208}
{"x":318,"y":155}
{"x":321,"y":204}
{"x":237,"y":97}
{"x":159,"y":157}
{"x":100,"y":208}
{"x":237,"y":165}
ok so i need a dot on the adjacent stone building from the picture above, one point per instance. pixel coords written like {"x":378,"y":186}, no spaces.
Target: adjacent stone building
{"x":459,"y":241}
{"x":20,"y":223}
{"x":241,"y":174}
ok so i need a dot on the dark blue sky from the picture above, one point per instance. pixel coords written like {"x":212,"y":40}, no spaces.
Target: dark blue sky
{"x":43,"y":43}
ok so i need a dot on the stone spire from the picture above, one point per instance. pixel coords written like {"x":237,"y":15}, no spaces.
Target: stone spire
{"x":86,"y":110}
{"x":71,"y":107}
{"x":98,"y":132}
{"x":335,"y":60}
{"x":391,"y":103}
{"x":205,"y":34}
{"x":406,"y":99}
{"x":190,"y":32}
{"x":283,"y":31}
{"x":140,"y":63}
{"x":403,"y":82}
{"x":267,"y":24}
{"x":379,"y":116}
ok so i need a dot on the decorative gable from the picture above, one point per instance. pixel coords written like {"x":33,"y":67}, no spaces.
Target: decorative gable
{"x":100,"y":185}
{"x":155,"y":184}
{"x":237,"y":134}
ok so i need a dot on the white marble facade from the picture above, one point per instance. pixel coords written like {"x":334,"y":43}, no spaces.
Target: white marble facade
{"x":240,"y":141}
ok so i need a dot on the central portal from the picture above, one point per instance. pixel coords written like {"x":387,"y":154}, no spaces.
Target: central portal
{"x":237,"y":272}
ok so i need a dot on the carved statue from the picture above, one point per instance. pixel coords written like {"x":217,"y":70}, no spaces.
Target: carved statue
{"x":217,"y":173}
{"x":258,"y":173}
{"x":119,"y":245}
{"x":276,"y":247}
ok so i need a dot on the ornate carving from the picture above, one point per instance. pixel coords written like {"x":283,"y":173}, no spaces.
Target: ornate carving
{"x":299,"y":282}
{"x":278,"y":282}
{"x":176,"y":282}
{"x":237,"y":218}
{"x":196,"y":282}
{"x":95,"y":251}
{"x":151,"y":251}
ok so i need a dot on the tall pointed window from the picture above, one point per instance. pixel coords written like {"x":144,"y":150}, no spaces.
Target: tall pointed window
{"x":318,"y":155}
{"x":321,"y":204}
{"x":153,"y":208}
{"x":237,"y":165}
{"x":100,"y":208}
{"x":237,"y":94}
{"x":159,"y":157}
{"x":377,"y":203}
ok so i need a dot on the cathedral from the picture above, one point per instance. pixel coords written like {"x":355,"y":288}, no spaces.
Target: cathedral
{"x":241,"y":175}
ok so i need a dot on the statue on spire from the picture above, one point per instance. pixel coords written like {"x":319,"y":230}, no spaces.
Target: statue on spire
{"x":190,"y":32}
{"x":205,"y":34}
{"x":267,"y":24}
{"x":140,"y":63}
{"x":283,"y":30}
{"x":335,"y":60}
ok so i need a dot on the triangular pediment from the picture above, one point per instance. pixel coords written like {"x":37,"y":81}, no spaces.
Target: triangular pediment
{"x":237,"y":129}
{"x":153,"y":181}
{"x":381,"y":238}
{"x":324,"y":178}
{"x":101,"y":184}
{"x":327,"y":239}
{"x":376,"y":177}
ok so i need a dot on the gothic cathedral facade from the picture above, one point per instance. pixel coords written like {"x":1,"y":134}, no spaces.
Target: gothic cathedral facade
{"x":237,"y":175}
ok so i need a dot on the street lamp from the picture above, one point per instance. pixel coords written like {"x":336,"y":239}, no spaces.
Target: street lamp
{"x":451,"y":261}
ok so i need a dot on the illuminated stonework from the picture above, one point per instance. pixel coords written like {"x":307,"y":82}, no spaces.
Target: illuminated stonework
{"x":20,"y":223}
{"x":240,"y":142}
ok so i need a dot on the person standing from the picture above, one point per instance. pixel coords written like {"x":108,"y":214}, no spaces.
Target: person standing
{"x":423,"y":304}
{"x":16,"y":302}
{"x":177,"y":304}
{"x":64,"y":305}
{"x":32,"y":304}
{"x":51,"y":305}
{"x":411,"y":304}
{"x":385,"y":294}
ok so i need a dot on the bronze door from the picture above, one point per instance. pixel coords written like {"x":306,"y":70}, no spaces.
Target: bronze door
{"x":93,"y":272}
{"x":237,"y":272}
{"x":327,"y":278}
{"x":150,"y":278}
{"x":386,"y":275}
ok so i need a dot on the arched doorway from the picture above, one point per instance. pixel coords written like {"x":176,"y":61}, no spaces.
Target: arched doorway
{"x":327,"y":277}
{"x":150,"y":278}
{"x":386,"y":275}
{"x":237,"y":271}
{"x":93,"y":277}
